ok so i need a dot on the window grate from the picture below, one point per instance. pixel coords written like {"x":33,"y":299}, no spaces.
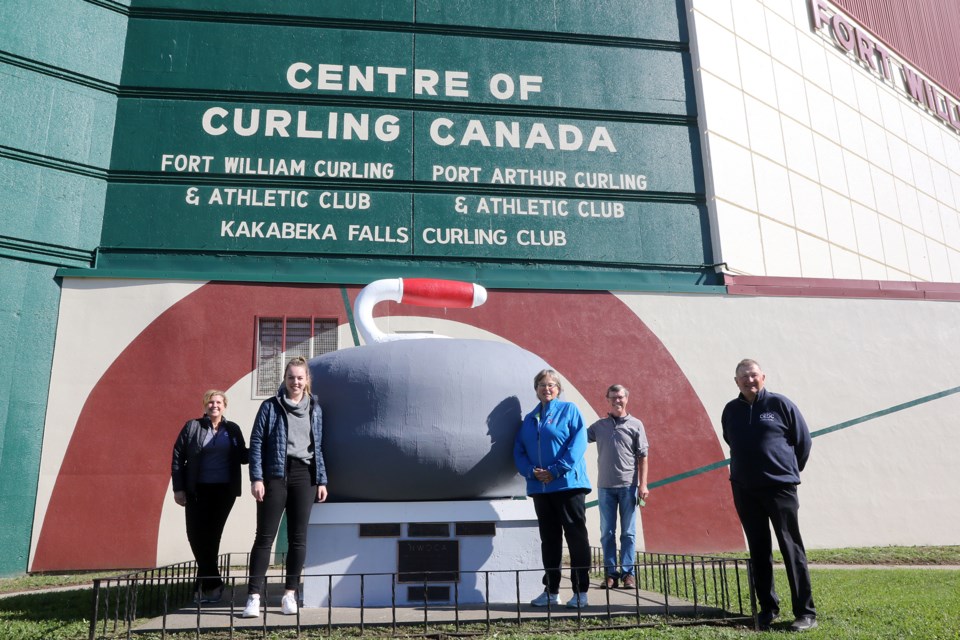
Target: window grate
{"x":279,"y":339}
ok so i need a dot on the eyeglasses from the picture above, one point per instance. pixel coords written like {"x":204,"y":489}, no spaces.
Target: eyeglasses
{"x":547,"y":385}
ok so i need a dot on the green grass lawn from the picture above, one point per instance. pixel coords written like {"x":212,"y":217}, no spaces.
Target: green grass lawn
{"x":858,"y":603}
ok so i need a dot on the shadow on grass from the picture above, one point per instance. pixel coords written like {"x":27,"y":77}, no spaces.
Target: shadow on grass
{"x":46,"y":615}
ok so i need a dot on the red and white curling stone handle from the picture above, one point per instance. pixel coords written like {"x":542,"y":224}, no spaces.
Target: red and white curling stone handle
{"x":421,"y":292}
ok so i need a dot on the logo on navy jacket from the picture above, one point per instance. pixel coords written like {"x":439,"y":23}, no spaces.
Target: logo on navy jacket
{"x":768,"y":416}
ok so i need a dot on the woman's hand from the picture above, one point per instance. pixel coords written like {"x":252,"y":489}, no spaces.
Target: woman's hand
{"x":321,"y":493}
{"x":256,"y":488}
{"x":180,"y":497}
{"x":543,"y":475}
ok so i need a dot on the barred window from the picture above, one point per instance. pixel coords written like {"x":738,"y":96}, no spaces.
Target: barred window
{"x":279,"y":339}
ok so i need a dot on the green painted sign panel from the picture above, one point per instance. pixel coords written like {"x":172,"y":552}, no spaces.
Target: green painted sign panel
{"x":559,"y":132}
{"x":343,"y":63}
{"x":292,"y":220}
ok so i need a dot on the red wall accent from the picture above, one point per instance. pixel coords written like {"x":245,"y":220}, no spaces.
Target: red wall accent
{"x":106,"y":504}
{"x":837,"y":288}
{"x":105,"y":509}
{"x":594,"y":340}
{"x":923,"y":32}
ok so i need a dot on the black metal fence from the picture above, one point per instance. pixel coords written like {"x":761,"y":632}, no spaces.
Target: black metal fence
{"x":670,"y":589}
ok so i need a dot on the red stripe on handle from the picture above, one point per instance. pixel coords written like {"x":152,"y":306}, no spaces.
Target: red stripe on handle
{"x":429,"y":292}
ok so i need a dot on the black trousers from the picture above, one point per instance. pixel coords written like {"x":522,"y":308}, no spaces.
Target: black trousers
{"x":758,"y":509}
{"x":563,"y":514}
{"x":206,"y":513}
{"x":294,"y":494}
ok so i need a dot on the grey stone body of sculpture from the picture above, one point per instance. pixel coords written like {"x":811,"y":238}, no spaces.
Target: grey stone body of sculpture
{"x":427,"y":419}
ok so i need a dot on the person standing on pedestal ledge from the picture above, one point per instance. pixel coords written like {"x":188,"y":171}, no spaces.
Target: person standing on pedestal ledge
{"x":287,"y":473}
{"x":549,"y":452}
{"x":622,"y":485}
{"x":769,"y":446}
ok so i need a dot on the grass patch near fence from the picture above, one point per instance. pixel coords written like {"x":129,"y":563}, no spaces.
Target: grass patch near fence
{"x":885,"y":555}
{"x":853,"y":604}
{"x":57,"y":615}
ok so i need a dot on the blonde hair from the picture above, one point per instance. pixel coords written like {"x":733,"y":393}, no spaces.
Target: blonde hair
{"x":299,"y":361}
{"x":213,"y":392}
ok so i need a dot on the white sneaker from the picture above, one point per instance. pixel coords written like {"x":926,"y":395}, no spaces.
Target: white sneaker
{"x":252,"y":610}
{"x":288,"y":604}
{"x":546,"y":598}
{"x":578,"y":601}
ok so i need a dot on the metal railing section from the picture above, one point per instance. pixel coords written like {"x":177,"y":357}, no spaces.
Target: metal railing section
{"x":692,"y":588}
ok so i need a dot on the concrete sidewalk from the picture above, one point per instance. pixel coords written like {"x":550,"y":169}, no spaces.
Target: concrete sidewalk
{"x":603,"y":603}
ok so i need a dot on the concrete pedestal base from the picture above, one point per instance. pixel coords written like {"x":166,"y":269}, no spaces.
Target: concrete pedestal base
{"x":462,"y":539}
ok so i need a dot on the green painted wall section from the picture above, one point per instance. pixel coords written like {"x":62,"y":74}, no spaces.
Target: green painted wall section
{"x":29,"y":299}
{"x":60,"y":62}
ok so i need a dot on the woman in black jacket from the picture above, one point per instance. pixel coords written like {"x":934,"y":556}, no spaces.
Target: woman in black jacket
{"x":206,"y":480}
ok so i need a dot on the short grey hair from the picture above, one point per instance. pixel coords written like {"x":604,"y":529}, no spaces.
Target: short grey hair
{"x":617,"y":388}
{"x":547,"y":373}
{"x":744,"y":364}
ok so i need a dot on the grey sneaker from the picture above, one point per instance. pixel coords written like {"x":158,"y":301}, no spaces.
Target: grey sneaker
{"x":578,"y":601}
{"x":804,"y":623}
{"x":546,"y":598}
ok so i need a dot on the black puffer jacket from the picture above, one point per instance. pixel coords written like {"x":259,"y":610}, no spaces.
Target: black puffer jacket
{"x":185,"y":467}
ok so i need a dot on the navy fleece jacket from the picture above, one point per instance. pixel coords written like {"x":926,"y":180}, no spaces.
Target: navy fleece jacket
{"x":769,"y":440}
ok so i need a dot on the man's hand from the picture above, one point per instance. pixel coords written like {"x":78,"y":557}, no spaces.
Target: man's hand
{"x":321,"y":493}
{"x":256,"y":488}
{"x":180,"y":497}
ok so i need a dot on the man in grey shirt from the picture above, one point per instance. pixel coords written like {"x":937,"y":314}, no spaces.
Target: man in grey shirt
{"x":622,"y":462}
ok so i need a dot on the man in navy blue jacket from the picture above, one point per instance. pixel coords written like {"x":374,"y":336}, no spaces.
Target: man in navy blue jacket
{"x":769,"y":445}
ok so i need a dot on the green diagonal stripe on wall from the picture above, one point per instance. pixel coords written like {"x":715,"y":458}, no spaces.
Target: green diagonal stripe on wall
{"x":820,"y":432}
{"x":349,"y":310}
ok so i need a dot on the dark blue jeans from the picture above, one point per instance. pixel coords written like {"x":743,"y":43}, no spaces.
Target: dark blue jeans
{"x":294,"y":494}
{"x":622,"y":501}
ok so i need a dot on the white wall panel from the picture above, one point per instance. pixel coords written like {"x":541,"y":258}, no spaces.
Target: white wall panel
{"x":840,"y":126}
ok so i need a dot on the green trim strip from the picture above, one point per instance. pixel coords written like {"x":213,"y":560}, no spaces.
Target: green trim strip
{"x":46,"y":253}
{"x":349,"y":310}
{"x":815,"y":434}
{"x":349,"y":269}
{"x":50,"y":162}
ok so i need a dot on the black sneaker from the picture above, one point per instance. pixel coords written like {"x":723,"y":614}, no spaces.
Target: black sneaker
{"x":213,"y":596}
{"x":804,"y":623}
{"x":766,"y":618}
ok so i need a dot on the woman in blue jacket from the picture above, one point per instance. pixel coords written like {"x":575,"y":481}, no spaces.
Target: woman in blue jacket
{"x":549,"y":452}
{"x":287,"y":473}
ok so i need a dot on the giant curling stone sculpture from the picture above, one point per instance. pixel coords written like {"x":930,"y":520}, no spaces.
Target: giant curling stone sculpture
{"x":412,"y":417}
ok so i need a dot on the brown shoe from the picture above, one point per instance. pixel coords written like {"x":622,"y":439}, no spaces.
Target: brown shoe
{"x":610,"y":583}
{"x":629,"y":582}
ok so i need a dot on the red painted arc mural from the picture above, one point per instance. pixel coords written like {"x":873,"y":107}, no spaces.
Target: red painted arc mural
{"x":106,"y":504}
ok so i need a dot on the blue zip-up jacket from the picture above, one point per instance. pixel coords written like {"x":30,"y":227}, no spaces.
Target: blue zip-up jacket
{"x":769,"y":440}
{"x":268,"y":440}
{"x":553,"y":437}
